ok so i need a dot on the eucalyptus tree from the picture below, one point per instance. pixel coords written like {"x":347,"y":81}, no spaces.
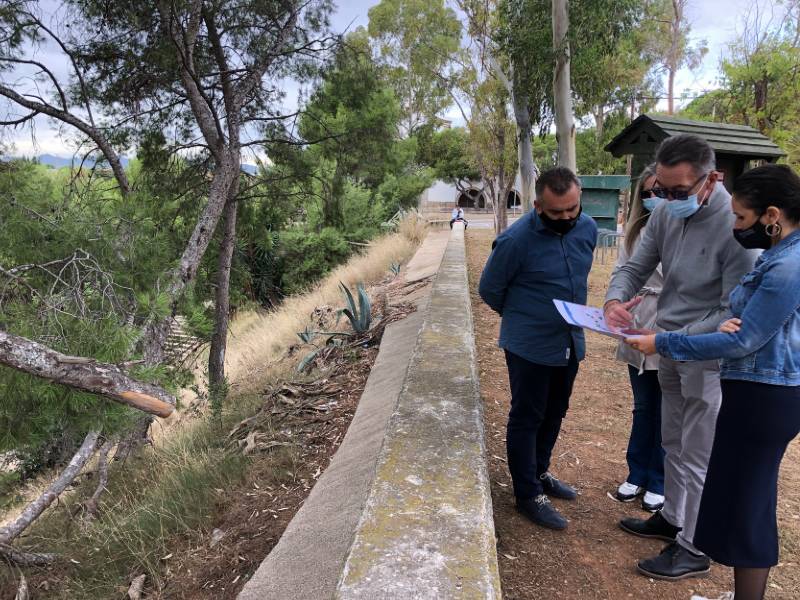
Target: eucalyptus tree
{"x":679,"y":52}
{"x":515,"y":42}
{"x":418,"y":42}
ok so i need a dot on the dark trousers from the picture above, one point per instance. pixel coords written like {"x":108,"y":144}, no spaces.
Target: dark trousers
{"x":464,"y":221}
{"x":539,"y":401}
{"x":645,"y":455}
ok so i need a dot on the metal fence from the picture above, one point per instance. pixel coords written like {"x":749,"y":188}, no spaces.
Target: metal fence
{"x":607,"y":244}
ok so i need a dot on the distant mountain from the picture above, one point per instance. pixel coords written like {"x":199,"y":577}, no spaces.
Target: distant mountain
{"x":58,"y":162}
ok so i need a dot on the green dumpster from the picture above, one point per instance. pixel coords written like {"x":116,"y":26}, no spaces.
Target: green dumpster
{"x":600,"y":198}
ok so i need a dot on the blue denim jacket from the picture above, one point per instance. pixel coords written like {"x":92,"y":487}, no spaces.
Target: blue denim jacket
{"x":767,"y":300}
{"x":528,"y":268}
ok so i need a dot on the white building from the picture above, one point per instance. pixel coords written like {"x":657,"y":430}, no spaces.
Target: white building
{"x":442,"y":197}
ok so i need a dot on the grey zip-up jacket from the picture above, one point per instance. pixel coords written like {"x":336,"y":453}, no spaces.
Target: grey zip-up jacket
{"x":701,"y":262}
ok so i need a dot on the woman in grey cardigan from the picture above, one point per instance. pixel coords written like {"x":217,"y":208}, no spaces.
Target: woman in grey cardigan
{"x":645,"y":456}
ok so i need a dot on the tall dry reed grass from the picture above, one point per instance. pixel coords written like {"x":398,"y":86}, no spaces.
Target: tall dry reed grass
{"x":258,"y":339}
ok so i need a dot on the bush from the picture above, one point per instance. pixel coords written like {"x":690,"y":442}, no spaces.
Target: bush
{"x":307,"y":256}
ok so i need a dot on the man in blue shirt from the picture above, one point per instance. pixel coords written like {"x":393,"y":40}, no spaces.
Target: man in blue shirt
{"x":544,"y":256}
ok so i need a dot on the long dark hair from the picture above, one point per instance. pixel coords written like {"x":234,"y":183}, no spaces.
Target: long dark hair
{"x":770,"y":185}
{"x":637,"y":214}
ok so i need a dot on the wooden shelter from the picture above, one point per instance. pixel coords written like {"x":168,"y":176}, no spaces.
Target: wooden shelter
{"x":738,"y":147}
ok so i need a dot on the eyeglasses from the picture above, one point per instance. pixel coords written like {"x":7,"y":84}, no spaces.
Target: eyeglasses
{"x":677,"y":194}
{"x":643,"y":194}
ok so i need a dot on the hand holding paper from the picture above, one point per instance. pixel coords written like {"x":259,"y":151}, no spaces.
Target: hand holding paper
{"x":588,"y":317}
{"x":646,"y":344}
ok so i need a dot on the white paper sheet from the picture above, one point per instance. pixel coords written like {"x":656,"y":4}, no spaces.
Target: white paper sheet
{"x":587,"y":317}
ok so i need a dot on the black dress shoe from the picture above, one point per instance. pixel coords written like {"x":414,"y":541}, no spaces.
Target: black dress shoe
{"x":557,"y":489}
{"x":675,"y":562}
{"x":655,"y":527}
{"x":540,"y":511}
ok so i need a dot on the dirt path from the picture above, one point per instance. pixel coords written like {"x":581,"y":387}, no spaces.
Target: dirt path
{"x":593,"y":558}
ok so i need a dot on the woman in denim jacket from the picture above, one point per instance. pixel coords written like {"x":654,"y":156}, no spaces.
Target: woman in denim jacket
{"x":760,"y":372}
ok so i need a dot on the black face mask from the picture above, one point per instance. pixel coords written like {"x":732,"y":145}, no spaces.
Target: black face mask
{"x":560,"y":226}
{"x":754,"y":237}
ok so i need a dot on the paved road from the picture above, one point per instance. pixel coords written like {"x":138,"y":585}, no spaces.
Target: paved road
{"x":476,"y":220}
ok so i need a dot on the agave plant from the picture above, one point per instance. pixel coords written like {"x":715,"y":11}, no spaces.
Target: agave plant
{"x":360,"y":316}
{"x":307,"y":335}
{"x":395,"y":268}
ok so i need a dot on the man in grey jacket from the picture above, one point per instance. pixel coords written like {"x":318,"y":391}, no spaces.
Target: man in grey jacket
{"x":690,"y":235}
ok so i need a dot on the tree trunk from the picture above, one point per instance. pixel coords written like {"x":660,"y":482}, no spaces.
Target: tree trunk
{"x":84,"y":374}
{"x":498,"y":204}
{"x":674,"y":58}
{"x":155,"y":333}
{"x":522,"y":119}
{"x":562,"y":89}
{"x":600,"y":122}
{"x":671,"y":91}
{"x":216,"y":359}
{"x":527,"y":169}
{"x":760,"y":96}
{"x":53,"y":491}
{"x":331,"y":210}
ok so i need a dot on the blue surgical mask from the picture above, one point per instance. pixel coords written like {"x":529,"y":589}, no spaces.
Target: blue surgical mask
{"x":651,"y":203}
{"x":683,"y":209}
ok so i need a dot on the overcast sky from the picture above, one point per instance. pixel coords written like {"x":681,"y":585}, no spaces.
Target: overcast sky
{"x":716,"y":21}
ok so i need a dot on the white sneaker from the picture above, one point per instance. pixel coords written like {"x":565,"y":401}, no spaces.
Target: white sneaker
{"x":725,"y":596}
{"x":652,"y":502}
{"x":628,"y":492}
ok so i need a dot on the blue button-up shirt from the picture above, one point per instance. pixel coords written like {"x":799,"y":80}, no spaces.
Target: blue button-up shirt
{"x":529,"y":267}
{"x":767,"y":347}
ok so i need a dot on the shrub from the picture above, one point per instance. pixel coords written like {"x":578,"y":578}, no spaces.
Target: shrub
{"x":307,"y":256}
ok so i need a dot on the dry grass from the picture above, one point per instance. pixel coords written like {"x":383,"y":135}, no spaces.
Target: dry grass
{"x":258,"y":339}
{"x":414,"y":227}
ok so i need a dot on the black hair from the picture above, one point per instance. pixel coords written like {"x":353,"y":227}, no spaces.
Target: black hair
{"x":558,"y":180}
{"x":770,"y":185}
{"x":689,"y":149}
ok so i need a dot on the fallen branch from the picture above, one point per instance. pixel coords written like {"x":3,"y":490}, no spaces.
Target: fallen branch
{"x":84,"y":374}
{"x":53,"y":491}
{"x":102,"y":472}
{"x":26,"y":559}
{"x":22,"y":590}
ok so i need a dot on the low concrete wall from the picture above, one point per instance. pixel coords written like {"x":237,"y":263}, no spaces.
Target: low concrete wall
{"x":307,"y":562}
{"x":404,"y":509}
{"x":427,"y":529}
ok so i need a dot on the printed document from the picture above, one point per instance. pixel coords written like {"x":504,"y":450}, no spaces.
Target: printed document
{"x":588,"y":317}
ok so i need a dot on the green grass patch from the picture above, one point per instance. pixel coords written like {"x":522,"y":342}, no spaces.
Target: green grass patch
{"x":161,"y":497}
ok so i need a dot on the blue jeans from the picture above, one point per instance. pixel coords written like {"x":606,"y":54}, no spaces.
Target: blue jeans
{"x":645,"y":455}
